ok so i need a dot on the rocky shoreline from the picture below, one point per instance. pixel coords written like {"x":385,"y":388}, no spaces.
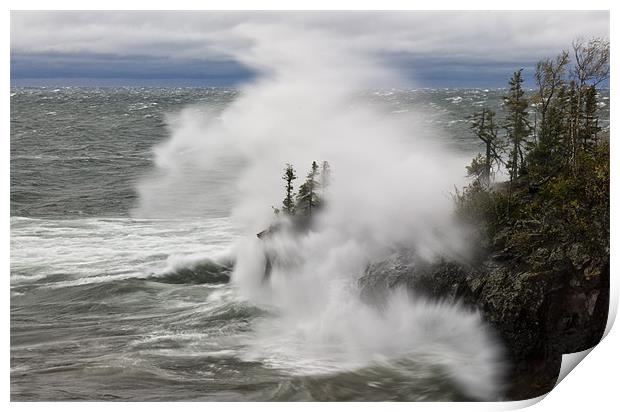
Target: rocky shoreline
{"x":541,"y":305}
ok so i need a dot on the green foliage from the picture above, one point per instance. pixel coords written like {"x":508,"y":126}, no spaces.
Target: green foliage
{"x":566,"y":208}
{"x":558,"y":191}
{"x":478,"y":168}
{"x":484,"y":208}
{"x":578,"y":203}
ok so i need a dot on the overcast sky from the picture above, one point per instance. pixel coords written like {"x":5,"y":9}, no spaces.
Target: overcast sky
{"x":434,"y":49}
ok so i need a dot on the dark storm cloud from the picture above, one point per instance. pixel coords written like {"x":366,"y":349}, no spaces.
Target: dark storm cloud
{"x":107,"y":66}
{"x":434,"y":48}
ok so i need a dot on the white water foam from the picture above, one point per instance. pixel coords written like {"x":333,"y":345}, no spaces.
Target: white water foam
{"x":95,"y":250}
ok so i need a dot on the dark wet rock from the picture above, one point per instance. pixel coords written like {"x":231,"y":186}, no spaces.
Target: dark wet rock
{"x":444,"y":280}
{"x":550,"y":302}
{"x":202,"y":273}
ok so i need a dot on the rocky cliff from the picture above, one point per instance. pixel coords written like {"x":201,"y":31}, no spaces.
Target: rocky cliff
{"x":542,"y":305}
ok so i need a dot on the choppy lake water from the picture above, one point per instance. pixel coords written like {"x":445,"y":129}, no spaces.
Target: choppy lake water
{"x":107,"y":305}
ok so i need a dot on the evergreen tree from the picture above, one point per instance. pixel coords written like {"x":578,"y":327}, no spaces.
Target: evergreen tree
{"x":517,"y":124}
{"x":307,"y":197}
{"x":288,"y":204}
{"x":590,"y":126}
{"x":550,"y":155}
{"x":485,"y":129}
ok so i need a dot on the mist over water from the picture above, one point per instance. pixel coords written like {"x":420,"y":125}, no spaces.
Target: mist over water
{"x":391,"y":189}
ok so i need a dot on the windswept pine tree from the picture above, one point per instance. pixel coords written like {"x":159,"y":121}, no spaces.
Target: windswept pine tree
{"x":288,"y":204}
{"x":307,"y":197}
{"x":517,"y":124}
{"x":551,"y":103}
{"x":549,"y":77}
{"x":486,"y":129}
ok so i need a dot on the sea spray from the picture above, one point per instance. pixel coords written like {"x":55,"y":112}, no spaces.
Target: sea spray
{"x":391,"y":189}
{"x":320,"y":325}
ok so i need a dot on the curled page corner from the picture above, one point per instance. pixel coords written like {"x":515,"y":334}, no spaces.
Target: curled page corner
{"x":522,"y":404}
{"x":612,"y":311}
{"x":569,"y":361}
